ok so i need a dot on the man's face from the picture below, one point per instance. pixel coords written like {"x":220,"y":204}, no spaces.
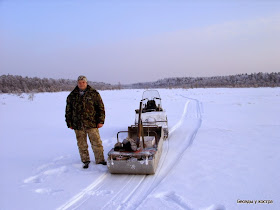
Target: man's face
{"x":82,"y":84}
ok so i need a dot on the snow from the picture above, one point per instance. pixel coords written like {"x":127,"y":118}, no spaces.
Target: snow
{"x":222,"y":153}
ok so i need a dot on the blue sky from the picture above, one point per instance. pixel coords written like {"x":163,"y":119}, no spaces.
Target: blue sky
{"x":137,"y":41}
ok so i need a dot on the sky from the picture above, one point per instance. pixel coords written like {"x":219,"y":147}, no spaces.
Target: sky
{"x":128,"y":41}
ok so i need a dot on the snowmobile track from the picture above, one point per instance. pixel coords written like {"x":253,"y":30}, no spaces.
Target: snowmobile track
{"x":192,"y":108}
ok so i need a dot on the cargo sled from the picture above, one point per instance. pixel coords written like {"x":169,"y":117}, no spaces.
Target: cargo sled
{"x":140,"y":151}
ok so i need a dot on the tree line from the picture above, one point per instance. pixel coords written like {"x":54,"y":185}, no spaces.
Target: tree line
{"x":19,"y":84}
{"x":234,"y":81}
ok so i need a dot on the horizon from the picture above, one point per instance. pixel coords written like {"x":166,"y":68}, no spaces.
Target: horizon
{"x":141,"y":41}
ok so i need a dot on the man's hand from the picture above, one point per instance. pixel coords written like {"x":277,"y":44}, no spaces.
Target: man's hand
{"x":99,"y":125}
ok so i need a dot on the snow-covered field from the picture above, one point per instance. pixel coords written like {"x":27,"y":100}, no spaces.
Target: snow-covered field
{"x":223,"y":151}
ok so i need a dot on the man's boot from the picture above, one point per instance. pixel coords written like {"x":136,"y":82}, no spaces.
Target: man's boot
{"x":86,"y":164}
{"x":103,"y":163}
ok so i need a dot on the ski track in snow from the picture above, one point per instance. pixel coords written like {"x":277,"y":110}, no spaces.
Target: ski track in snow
{"x":126,"y":195}
{"x":114,"y":198}
{"x":83,"y":195}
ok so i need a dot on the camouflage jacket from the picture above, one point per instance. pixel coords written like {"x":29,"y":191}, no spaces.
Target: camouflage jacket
{"x":84,"y":111}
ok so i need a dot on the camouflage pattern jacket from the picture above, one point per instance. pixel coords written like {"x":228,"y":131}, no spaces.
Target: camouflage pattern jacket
{"x":84,"y":111}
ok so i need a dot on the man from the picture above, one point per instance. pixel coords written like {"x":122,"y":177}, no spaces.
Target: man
{"x":85,"y":113}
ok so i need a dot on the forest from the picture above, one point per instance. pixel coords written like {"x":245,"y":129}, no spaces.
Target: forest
{"x":19,"y":84}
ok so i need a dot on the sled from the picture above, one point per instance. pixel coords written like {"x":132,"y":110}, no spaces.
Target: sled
{"x":140,"y":151}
